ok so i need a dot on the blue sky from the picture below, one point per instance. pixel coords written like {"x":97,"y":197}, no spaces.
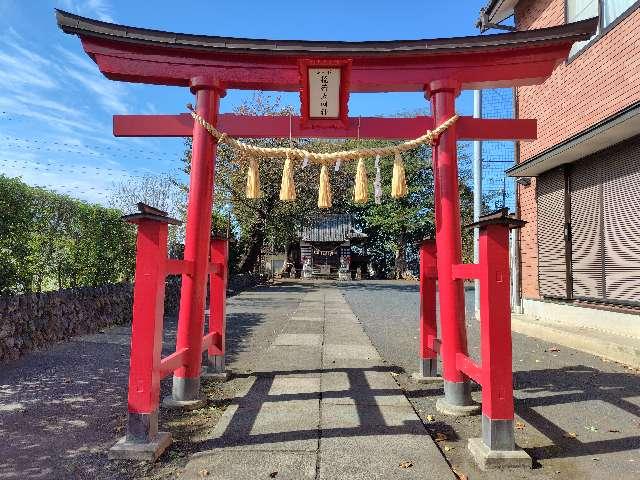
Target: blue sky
{"x":56,"y":108}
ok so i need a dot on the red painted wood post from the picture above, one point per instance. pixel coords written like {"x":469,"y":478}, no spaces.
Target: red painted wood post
{"x":146,"y":330}
{"x":217,"y":304}
{"x":495,"y":328}
{"x":186,"y":380}
{"x":457,"y":395}
{"x":428,"y":325}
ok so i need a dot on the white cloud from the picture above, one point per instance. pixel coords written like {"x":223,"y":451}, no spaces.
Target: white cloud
{"x":15,"y":73}
{"x":109,"y":94}
{"x":55,"y":117}
{"x":100,"y":9}
{"x":81,"y":70}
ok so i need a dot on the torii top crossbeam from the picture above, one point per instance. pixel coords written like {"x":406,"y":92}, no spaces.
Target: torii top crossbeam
{"x":151,"y":56}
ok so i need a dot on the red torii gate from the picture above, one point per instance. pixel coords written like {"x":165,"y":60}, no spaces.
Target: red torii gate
{"x":208,"y":66}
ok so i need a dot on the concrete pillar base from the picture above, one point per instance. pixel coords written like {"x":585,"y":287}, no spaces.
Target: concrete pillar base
{"x":428,"y":367}
{"x":498,"y":434}
{"x":185,"y":394}
{"x":215,"y":376}
{"x":428,"y":371}
{"x":488,"y":459}
{"x":418,"y":378}
{"x":185,"y":389}
{"x":143,"y":441}
{"x":457,"y":400}
{"x":214,"y":369}
{"x":149,"y":452}
{"x":171,"y":403}
{"x":447,"y":408}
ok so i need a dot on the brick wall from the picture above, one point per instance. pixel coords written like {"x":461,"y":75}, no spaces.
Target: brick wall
{"x":528,"y":240}
{"x":598,"y":83}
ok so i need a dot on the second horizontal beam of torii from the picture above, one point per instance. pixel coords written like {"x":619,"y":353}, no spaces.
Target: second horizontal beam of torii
{"x":247,"y":126}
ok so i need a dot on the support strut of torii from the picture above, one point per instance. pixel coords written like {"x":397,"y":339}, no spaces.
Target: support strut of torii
{"x":209,"y":66}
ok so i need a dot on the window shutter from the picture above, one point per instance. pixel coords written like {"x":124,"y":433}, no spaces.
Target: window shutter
{"x":621,"y":205}
{"x":552,"y":268}
{"x":586,"y":229}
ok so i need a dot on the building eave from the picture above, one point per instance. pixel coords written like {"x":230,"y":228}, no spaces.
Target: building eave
{"x":497,"y":11}
{"x":614,"y":129}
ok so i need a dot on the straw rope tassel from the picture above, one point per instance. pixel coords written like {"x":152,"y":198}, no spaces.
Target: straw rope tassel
{"x":361,"y":193}
{"x":398,"y":181}
{"x":287,"y":186}
{"x":324,"y":191}
{"x":253,"y":180}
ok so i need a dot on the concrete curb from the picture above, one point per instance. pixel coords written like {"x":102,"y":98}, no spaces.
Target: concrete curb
{"x":596,"y":343}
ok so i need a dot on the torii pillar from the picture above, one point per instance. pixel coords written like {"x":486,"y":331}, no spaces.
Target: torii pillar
{"x":186,"y":379}
{"x":457,"y":393}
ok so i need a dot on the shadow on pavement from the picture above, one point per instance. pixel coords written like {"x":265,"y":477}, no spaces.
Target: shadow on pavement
{"x":575,"y":385}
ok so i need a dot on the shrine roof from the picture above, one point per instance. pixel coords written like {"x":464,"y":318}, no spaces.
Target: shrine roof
{"x":87,"y":27}
{"x":330,"y":228}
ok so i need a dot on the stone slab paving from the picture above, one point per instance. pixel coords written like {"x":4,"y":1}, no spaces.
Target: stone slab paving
{"x":321,"y":404}
{"x":299,"y":339}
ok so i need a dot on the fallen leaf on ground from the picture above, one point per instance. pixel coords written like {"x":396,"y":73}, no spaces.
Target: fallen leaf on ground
{"x":406,"y":464}
{"x":430,"y":418}
{"x":459,"y":474}
{"x":441,"y":437}
{"x":520,"y":425}
{"x":570,"y":435}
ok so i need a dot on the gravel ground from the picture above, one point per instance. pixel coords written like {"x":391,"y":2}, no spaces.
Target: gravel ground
{"x":63,"y":407}
{"x":578,"y":415}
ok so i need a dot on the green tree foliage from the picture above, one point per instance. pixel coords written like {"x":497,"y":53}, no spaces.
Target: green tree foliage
{"x":50,"y":241}
{"x":394,"y":227}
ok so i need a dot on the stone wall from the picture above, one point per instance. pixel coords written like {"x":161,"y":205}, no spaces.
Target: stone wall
{"x":36,"y":320}
{"x":32,"y":321}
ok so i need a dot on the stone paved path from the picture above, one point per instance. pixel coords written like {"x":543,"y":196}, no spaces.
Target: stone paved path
{"x":321,"y":404}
